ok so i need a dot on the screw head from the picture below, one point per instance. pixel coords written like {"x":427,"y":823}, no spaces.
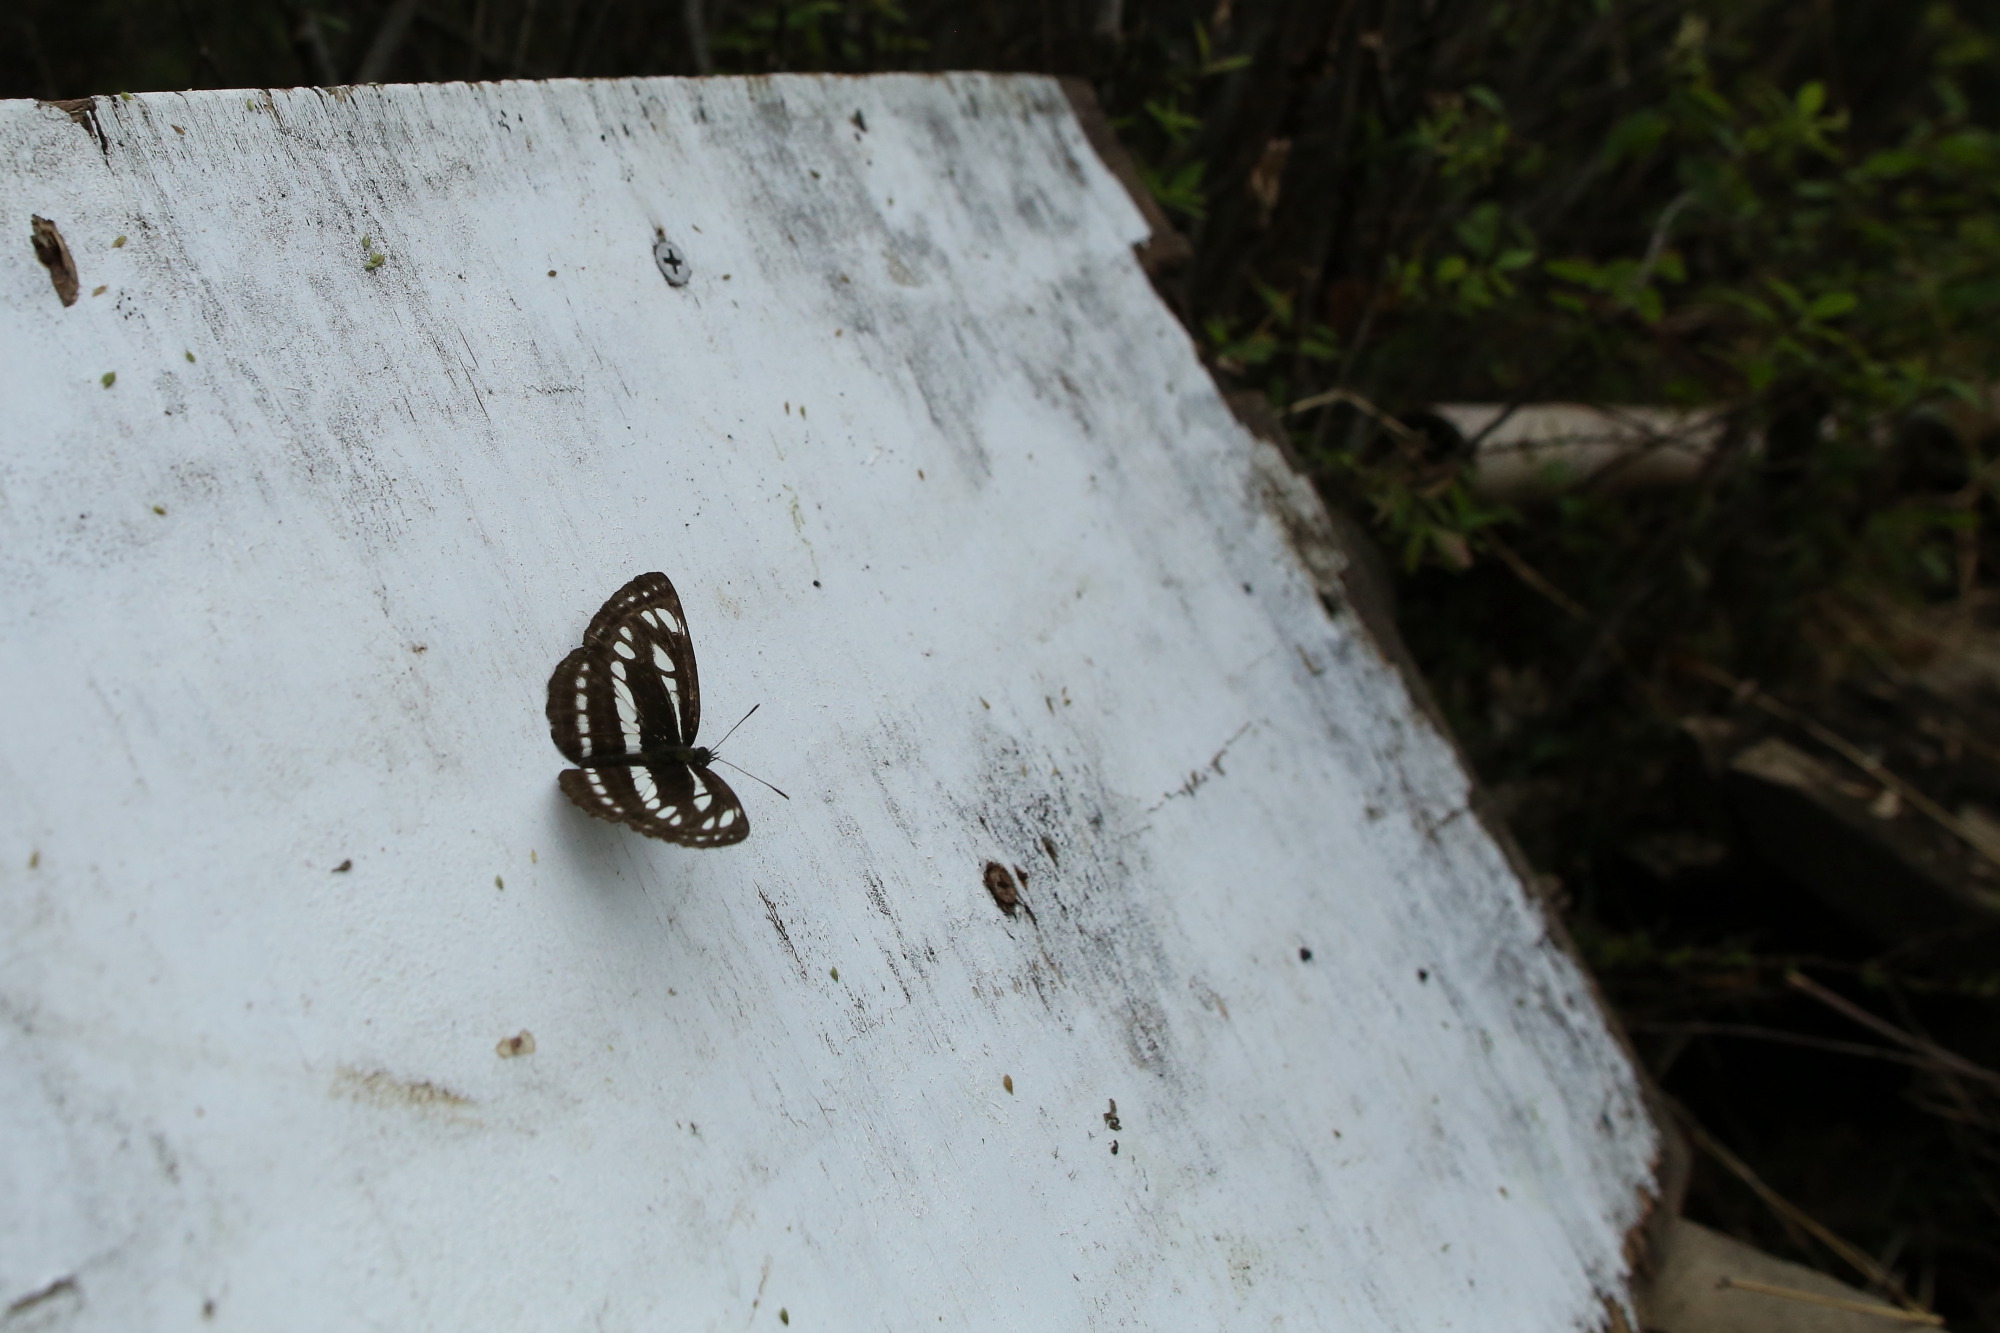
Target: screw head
{"x":673,"y":262}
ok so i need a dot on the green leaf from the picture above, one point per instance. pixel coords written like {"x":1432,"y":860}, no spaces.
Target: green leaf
{"x":1785,"y":292}
{"x":1479,"y":230}
{"x":1832,"y":305}
{"x":1451,"y":268}
{"x":1579,"y":271}
{"x":1811,"y":97}
{"x":1635,"y":136}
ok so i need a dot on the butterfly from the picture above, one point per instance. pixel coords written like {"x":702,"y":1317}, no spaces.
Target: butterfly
{"x":624,"y":708}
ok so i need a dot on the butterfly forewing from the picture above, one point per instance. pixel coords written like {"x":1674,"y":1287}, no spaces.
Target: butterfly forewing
{"x":643,"y":622}
{"x":630,"y":696}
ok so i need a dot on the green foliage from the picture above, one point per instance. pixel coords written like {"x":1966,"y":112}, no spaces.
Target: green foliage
{"x":814,"y":34}
{"x":1768,"y":261}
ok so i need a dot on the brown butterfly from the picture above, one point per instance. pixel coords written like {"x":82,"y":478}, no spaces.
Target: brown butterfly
{"x":624,"y":708}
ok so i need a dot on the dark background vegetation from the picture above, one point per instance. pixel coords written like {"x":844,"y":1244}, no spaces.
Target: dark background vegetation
{"x":1785,"y":211}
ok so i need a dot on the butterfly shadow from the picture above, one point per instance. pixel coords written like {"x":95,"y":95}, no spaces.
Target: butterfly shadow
{"x":605,"y":856}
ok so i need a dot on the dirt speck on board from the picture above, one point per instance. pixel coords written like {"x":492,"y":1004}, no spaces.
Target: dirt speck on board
{"x":381,"y":1088}
{"x":521,"y":1043}
{"x":1007,"y":1082}
{"x":344,"y":867}
{"x":1000,"y":883}
{"x":53,"y":252}
{"x":1111,"y":1116}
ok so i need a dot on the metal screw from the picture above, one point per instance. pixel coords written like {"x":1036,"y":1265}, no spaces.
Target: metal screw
{"x":673,"y":262}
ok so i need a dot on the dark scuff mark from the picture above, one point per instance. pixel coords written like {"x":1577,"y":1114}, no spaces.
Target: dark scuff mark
{"x":784,"y":936}
{"x":83,"y":110}
{"x":1103,"y":939}
{"x":65,"y":1285}
{"x":1197,"y":777}
{"x":53,"y":252}
{"x":878,"y":896}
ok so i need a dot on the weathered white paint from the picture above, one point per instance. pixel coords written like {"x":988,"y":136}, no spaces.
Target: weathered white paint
{"x":947,"y":492}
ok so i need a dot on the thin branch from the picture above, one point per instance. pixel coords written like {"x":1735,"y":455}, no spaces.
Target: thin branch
{"x":697,"y":36}
{"x":1958,"y":1064}
{"x":1354,"y":400}
{"x":1778,"y":1036}
{"x":388,"y":39}
{"x":1888,"y":1312}
{"x":1854,"y":1257}
{"x":1748,"y":692}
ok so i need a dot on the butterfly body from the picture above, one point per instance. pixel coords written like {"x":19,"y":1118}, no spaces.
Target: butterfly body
{"x":624,"y":708}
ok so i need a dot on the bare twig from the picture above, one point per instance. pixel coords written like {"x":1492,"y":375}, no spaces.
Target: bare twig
{"x":520,"y":63}
{"x":1658,"y":241}
{"x":1930,"y":1051}
{"x":1846,"y":749}
{"x":309,"y":44}
{"x":1531,"y":576}
{"x":697,"y":36}
{"x":388,"y":39}
{"x":1752,"y":1032}
{"x":1354,"y":400}
{"x":1888,"y":1312}
{"x":1854,"y":1257}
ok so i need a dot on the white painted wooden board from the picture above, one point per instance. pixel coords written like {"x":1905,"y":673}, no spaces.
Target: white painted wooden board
{"x":944,"y":489}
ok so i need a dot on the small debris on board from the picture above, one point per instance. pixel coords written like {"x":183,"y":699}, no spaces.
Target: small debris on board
{"x":521,"y":1043}
{"x":53,"y":252}
{"x":1000,"y":883}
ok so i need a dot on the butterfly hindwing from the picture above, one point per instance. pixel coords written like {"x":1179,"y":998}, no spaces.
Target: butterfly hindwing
{"x":693,"y":807}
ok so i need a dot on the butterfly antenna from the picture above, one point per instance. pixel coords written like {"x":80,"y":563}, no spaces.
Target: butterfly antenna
{"x":731,"y":732}
{"x":716,"y":758}
{"x":746,"y":773}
